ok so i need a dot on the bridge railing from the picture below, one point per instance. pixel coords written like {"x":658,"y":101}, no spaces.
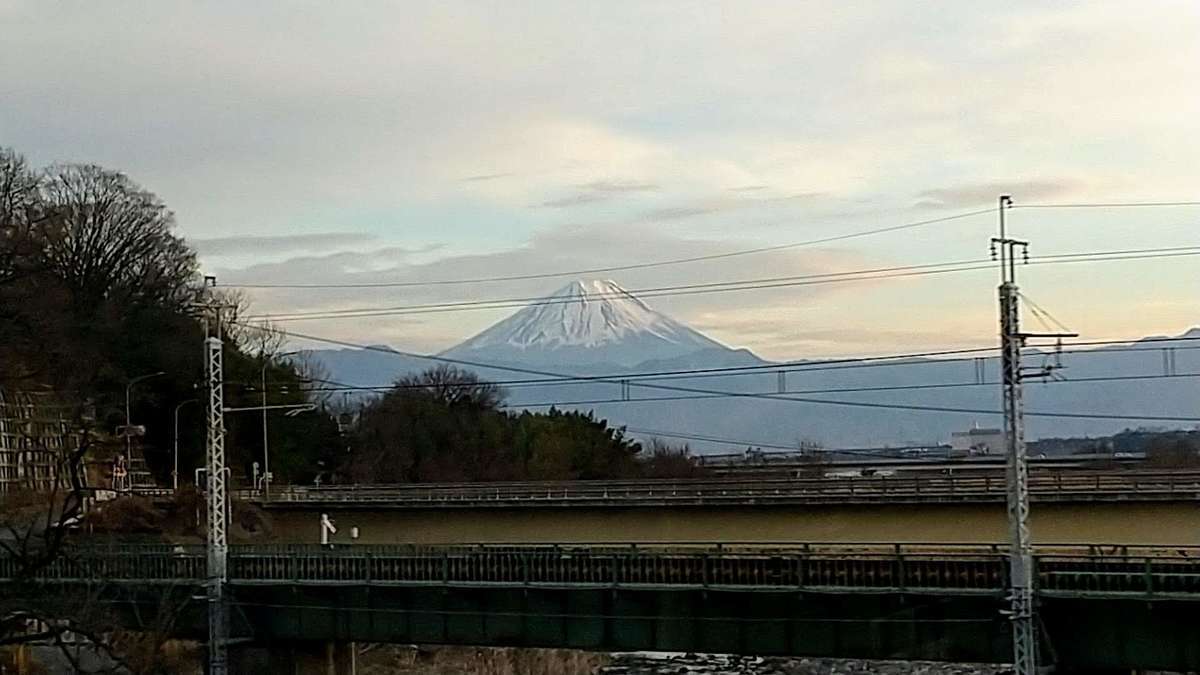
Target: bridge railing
{"x":1072,"y":485}
{"x":910,"y":568}
{"x":975,"y":569}
{"x":97,"y":563}
{"x":1121,"y":571}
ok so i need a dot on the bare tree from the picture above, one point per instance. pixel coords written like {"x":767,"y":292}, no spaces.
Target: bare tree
{"x":37,"y":515}
{"x":94,"y":288}
{"x":107,"y":238}
{"x":311,"y":370}
{"x":38,"y":510}
{"x":663,"y":460}
{"x":261,"y":338}
{"x":452,"y":385}
{"x":19,"y":187}
{"x":93,"y":264}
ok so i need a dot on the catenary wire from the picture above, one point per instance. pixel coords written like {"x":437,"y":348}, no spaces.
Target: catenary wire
{"x":836,"y":390}
{"x":926,"y":269}
{"x":906,"y":359}
{"x":633,"y":266}
{"x":774,"y":397}
{"x":684,"y":289}
{"x":918,"y":387}
{"x":1103,"y":205}
{"x":703,"y":258}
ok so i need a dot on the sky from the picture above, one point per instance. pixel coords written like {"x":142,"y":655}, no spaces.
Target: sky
{"x":372,"y":142}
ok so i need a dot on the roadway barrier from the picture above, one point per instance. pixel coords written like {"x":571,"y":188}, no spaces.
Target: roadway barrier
{"x":1074,"y":486}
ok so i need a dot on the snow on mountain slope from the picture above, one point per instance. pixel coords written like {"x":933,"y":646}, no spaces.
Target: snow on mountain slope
{"x":586,"y":322}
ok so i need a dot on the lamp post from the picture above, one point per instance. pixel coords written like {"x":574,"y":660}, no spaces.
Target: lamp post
{"x":128,"y":393}
{"x":266,"y":453}
{"x":175,"y":473}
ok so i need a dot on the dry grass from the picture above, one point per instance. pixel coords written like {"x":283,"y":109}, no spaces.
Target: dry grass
{"x":409,"y":660}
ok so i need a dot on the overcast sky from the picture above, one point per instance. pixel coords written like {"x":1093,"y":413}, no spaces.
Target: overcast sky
{"x":370,"y":141}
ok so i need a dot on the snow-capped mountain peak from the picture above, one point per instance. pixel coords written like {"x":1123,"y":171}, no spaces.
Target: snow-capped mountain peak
{"x":588,"y":321}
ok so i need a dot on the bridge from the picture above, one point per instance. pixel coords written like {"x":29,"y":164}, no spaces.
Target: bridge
{"x":896,"y":460}
{"x":1102,"y":608}
{"x":1102,"y":507}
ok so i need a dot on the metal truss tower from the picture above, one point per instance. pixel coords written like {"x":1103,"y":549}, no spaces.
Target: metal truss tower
{"x":1012,"y":341}
{"x":217,"y":512}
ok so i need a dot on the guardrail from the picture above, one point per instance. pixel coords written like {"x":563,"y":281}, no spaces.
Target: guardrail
{"x":1067,"y":486}
{"x":1074,"y":570}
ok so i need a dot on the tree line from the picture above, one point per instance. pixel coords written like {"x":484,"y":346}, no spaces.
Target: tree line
{"x":97,"y":289}
{"x":446,"y":424}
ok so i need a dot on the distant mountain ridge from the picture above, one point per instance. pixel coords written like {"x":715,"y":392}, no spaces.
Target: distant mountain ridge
{"x":594,"y":328}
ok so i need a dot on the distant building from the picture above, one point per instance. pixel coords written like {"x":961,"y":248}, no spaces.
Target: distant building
{"x":977,"y":441}
{"x":32,"y":437}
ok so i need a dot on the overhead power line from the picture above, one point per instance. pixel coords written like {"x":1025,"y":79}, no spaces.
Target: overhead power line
{"x":875,"y":274}
{"x":704,"y":258}
{"x":868,"y":452}
{"x":631,"y":266}
{"x":732,"y":394}
{"x":834,"y":390}
{"x":904,"y":359}
{"x":683,"y":289}
{"x":727,"y":286}
{"x":847,"y":390}
{"x":1103,"y":205}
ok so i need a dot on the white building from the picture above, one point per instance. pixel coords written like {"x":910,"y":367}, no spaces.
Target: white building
{"x":977,"y":441}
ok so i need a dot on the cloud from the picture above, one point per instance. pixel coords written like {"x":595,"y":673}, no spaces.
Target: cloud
{"x":576,"y":199}
{"x":977,"y":194}
{"x":815,"y":328}
{"x":620,"y":186}
{"x":593,"y":247}
{"x":253,"y":244}
{"x":722,"y":204}
{"x":419,"y":123}
{"x":677,"y":212}
{"x":599,"y":191}
{"x":486,"y":176}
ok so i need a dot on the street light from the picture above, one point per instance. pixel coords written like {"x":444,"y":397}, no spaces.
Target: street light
{"x":128,"y":426}
{"x":175,"y":473}
{"x":266,"y":453}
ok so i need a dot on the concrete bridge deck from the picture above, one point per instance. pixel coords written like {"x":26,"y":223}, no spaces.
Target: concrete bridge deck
{"x":1099,"y":507}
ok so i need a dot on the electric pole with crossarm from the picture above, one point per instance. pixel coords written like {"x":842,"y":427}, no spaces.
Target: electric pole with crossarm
{"x":217,"y":502}
{"x":1012,"y":341}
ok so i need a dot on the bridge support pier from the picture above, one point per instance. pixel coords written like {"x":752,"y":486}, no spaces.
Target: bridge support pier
{"x":341,"y":658}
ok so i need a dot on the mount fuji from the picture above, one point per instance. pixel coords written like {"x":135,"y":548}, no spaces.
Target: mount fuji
{"x":587,"y":324}
{"x":596,"y":328}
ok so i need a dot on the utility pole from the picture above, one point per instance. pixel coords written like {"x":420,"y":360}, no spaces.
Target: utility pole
{"x":217,"y":544}
{"x":267,"y":477}
{"x":128,"y":431}
{"x":1012,"y":341}
{"x":175,"y":436}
